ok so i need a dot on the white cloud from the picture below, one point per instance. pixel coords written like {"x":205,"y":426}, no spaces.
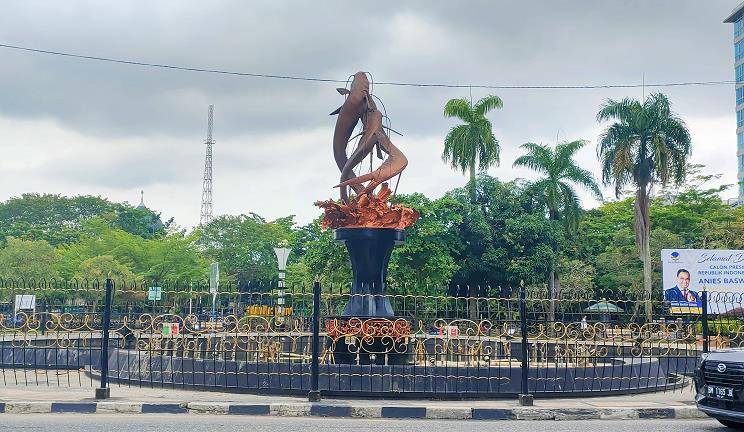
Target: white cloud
{"x":79,"y":127}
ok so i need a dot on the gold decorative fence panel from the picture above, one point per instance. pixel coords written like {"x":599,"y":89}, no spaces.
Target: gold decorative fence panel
{"x":440,"y":342}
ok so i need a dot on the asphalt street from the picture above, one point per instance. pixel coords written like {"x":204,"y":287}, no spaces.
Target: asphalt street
{"x":202,"y":423}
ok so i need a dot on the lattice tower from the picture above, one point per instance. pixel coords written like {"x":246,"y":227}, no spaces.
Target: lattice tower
{"x":206,"y":200}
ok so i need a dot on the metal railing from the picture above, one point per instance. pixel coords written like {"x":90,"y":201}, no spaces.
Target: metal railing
{"x":446,"y":343}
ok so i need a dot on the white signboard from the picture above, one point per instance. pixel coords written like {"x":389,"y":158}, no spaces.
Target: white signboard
{"x":154,"y":293}
{"x":686,"y":272}
{"x":25,"y":302}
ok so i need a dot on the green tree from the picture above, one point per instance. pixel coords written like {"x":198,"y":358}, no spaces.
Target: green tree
{"x":619,"y":273}
{"x":560,"y":172}
{"x":60,"y":220}
{"x":101,"y":267}
{"x":53,"y":218}
{"x":92,"y":275}
{"x":506,"y":239}
{"x":578,"y":280}
{"x":173,"y":257}
{"x":426,"y":258}
{"x":324,"y":257}
{"x":693,"y":216}
{"x":471,"y":144}
{"x":598,"y":227}
{"x":556,"y":189}
{"x":647,"y":144}
{"x":244,"y":245}
{"x":99,"y":238}
{"x":139,"y":221}
{"x":298,"y":275}
{"x":30,"y":260}
{"x":696,"y":212}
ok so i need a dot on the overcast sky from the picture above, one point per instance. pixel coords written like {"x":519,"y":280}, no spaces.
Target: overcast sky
{"x":74,"y":126}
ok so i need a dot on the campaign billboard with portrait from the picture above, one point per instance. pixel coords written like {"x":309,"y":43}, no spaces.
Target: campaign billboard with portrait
{"x":686,"y":272}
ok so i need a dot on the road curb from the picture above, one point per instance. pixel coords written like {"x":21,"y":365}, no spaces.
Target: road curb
{"x":345,"y":410}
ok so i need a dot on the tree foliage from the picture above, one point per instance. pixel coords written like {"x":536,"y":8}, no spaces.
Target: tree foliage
{"x":559,"y":171}
{"x":471,"y":144}
{"x":427,"y":256}
{"x":507,"y":238}
{"x":173,"y":257}
{"x":493,"y":234}
{"x":102,"y":267}
{"x":244,"y":245}
{"x":28,"y":260}
{"x":60,"y":220}
{"x":324,"y":257}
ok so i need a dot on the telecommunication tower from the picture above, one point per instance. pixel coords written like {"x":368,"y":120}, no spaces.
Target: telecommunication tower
{"x":206,"y":200}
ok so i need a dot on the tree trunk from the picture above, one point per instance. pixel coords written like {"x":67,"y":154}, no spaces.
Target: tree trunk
{"x":471,"y":184}
{"x":473,"y":293}
{"x":473,"y":310}
{"x":643,"y":240}
{"x":551,"y":293}
{"x":552,"y":278}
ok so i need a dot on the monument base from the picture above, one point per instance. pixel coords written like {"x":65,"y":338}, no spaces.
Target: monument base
{"x":370,"y":341}
{"x":369,"y":250}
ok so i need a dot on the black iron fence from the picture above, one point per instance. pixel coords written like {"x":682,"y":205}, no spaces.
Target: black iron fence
{"x":447,"y":343}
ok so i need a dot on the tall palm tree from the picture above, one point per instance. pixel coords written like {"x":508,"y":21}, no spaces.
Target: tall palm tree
{"x":647,"y":144}
{"x":556,"y":188}
{"x":471,"y":144}
{"x":560,"y":171}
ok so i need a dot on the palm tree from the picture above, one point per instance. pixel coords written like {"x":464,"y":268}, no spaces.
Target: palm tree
{"x":471,"y":144}
{"x":647,"y":144}
{"x":556,"y":188}
{"x":561,"y":171}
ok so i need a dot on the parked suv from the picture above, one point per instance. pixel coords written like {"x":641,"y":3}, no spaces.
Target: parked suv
{"x":719,"y":381}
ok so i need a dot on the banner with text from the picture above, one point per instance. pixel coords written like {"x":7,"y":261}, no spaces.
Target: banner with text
{"x":687,"y":271}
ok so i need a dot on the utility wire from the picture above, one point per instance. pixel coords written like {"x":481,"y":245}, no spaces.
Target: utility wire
{"x":389,"y":83}
{"x":165,"y":66}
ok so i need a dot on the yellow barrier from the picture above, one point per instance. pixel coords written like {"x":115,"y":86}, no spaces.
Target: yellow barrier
{"x":263,"y":310}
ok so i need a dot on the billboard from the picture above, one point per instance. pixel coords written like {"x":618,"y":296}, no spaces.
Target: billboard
{"x":686,"y":272}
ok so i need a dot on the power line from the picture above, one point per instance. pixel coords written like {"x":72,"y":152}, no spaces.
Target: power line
{"x":389,"y":83}
{"x":165,"y":66}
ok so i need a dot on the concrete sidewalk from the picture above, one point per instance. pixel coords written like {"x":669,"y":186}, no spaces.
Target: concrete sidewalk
{"x":77,"y":396}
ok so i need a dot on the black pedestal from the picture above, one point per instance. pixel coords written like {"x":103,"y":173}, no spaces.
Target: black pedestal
{"x":369,"y":249}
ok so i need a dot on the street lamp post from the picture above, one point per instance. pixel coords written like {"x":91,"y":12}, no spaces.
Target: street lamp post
{"x":214,"y":286}
{"x":282,"y":253}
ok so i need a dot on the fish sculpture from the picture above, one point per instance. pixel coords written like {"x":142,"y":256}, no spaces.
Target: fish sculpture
{"x":366,"y":208}
{"x":360,"y":106}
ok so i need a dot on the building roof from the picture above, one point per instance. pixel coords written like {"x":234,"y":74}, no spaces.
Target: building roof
{"x":735,"y":14}
{"x":604,"y":307}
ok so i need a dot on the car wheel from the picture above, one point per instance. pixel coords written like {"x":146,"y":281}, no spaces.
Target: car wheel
{"x":732,"y":424}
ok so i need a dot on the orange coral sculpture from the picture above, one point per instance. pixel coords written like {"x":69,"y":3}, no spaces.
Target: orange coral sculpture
{"x":368,"y":211}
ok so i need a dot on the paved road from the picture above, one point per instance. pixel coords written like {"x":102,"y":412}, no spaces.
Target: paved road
{"x":202,"y":423}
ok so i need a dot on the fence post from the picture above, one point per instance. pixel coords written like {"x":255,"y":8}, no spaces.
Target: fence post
{"x":706,"y":333}
{"x":314,"y":395}
{"x":104,"y":392}
{"x":525,"y":398}
{"x":43,"y":317}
